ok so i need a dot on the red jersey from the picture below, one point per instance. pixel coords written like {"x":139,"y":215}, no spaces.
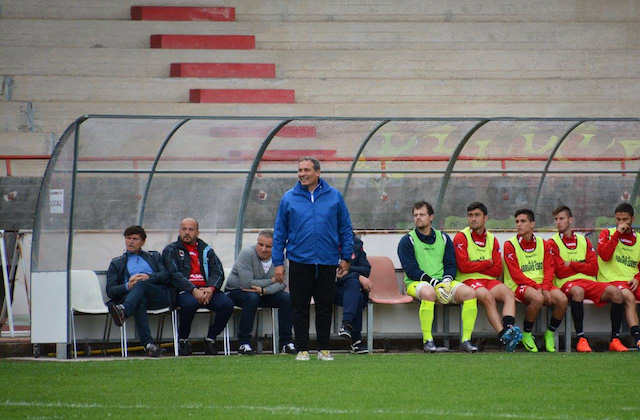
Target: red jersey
{"x":195,"y":276}
{"x":589,"y":267}
{"x":491,"y":268}
{"x":607,"y":244}
{"x":519,"y":278}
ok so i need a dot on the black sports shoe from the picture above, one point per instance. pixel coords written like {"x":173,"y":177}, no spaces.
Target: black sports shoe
{"x":468,"y":347}
{"x":153,"y":350}
{"x":289,"y":349}
{"x":117,"y":312}
{"x":184,"y":348}
{"x":357,"y":347}
{"x":246,"y":350}
{"x":345,"y":330}
{"x":210,"y":346}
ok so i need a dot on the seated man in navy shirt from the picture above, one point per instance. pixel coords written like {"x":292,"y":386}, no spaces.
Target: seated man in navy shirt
{"x":136,"y":281}
{"x":352,"y":291}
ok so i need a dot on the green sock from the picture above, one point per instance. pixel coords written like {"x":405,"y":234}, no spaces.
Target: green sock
{"x":426,"y":319}
{"x":469,"y":314}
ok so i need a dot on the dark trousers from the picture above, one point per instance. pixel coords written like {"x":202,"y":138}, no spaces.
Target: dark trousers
{"x":250,"y":302}
{"x":219,"y":303}
{"x":350,"y":296}
{"x":143,"y":296}
{"x":319,"y":282}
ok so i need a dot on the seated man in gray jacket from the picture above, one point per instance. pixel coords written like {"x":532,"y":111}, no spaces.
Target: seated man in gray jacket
{"x":252,"y":284}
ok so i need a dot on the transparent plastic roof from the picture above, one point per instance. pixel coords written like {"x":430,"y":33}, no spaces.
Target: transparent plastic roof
{"x":109,"y":172}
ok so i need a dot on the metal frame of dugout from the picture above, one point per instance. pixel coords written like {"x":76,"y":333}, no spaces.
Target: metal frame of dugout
{"x":99,"y":150}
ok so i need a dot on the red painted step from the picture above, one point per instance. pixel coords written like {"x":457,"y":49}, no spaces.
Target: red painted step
{"x":242,"y":96}
{"x":244,"y":70}
{"x":204,"y":42}
{"x":293,"y":132}
{"x":213,"y":14}
{"x":280,"y":155}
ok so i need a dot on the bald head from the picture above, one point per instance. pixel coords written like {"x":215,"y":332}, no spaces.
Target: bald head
{"x":189,"y":231}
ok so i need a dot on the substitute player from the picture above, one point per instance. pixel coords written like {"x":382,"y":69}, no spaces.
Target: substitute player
{"x":576,"y":267}
{"x":429,"y":263}
{"x":618,"y":260}
{"x":529,"y":271}
{"x":479,"y":264}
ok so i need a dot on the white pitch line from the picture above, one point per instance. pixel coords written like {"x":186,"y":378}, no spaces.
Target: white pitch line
{"x":285,"y":410}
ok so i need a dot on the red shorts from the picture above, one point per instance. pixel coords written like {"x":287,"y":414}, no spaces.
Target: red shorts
{"x":488,"y":283}
{"x":520,"y":292}
{"x":625,"y":285}
{"x":593,"y":290}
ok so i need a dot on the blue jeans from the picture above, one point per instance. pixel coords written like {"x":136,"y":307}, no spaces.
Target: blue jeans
{"x":219,"y":303}
{"x":350,"y":296}
{"x":143,"y":296}
{"x":250,"y":302}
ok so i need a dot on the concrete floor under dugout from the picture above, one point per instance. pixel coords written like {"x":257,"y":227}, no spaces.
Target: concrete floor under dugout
{"x":395,"y":327}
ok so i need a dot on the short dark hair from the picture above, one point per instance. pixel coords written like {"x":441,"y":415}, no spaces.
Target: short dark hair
{"x":421,"y":204}
{"x":528,"y":212}
{"x":625,"y":208}
{"x":267,"y":233}
{"x":560,"y":209}
{"x":135,"y":230}
{"x":316,"y":162}
{"x":476,"y":205}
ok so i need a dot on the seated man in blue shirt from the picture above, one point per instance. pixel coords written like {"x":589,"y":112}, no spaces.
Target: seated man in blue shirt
{"x":136,"y":281}
{"x":352,"y":291}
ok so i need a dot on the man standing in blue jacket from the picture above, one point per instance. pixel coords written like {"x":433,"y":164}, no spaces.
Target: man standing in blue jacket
{"x":352,"y":291}
{"x":197,"y":273}
{"x":314,"y":226}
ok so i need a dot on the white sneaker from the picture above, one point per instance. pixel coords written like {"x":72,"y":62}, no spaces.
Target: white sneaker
{"x":246,"y":350}
{"x":288,"y":349}
{"x":302,"y":355}
{"x":324,"y":355}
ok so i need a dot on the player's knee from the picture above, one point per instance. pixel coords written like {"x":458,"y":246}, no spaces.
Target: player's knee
{"x":577,"y":294}
{"x":427,"y":293}
{"x":536,"y":300}
{"x":615,"y":295}
{"x":465,"y":292}
{"x":561,"y":300}
{"x":486,"y":299}
{"x":628,"y":297}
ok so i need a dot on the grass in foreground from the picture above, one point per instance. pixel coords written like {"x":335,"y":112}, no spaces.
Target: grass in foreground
{"x":486,"y":385}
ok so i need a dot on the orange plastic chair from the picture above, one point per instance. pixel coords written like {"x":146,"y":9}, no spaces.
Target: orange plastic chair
{"x":384,"y":291}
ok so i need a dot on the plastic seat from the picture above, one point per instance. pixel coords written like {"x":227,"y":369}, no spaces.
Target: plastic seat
{"x":384,"y":291}
{"x":87,"y":299}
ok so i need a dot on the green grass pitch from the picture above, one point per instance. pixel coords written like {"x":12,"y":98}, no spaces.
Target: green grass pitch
{"x":454,"y":385}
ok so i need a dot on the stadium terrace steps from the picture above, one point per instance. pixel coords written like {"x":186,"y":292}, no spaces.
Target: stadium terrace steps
{"x":222,"y":70}
{"x":26,"y":143}
{"x":333,"y":91}
{"x":246,"y":96}
{"x":172,"y":13}
{"x":203,"y":42}
{"x":368,"y":11}
{"x":361,"y":64}
{"x":55,"y":116}
{"x":472,"y":36}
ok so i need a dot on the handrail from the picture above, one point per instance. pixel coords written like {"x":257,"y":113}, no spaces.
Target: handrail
{"x":382,"y":159}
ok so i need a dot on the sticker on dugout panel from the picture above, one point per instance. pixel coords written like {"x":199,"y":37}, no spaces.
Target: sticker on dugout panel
{"x":56,"y":201}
